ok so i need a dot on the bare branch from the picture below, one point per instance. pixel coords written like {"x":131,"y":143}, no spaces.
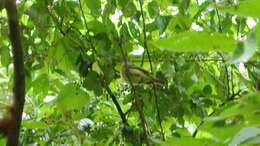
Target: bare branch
{"x":19,"y":75}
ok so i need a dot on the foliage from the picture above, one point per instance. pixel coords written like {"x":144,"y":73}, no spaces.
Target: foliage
{"x":205,"y":54}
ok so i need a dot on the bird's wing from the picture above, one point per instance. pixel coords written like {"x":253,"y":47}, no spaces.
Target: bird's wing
{"x":141,"y":70}
{"x":139,"y":73}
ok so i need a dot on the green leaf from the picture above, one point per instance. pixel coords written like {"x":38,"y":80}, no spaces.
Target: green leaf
{"x":245,"y":134}
{"x":162,"y":22}
{"x":41,"y":85}
{"x":246,"y":8}
{"x":257,"y":30}
{"x":34,"y":124}
{"x":72,"y":97}
{"x":247,"y":105}
{"x":220,"y":133}
{"x":246,"y":49}
{"x":207,"y":89}
{"x":192,"y":41}
{"x":92,"y":83}
{"x":96,"y":26}
{"x":153,"y":9}
{"x":179,"y":23}
{"x":94,"y":6}
{"x":189,"y":141}
{"x":5,"y":56}
{"x":129,"y":9}
{"x":2,"y":141}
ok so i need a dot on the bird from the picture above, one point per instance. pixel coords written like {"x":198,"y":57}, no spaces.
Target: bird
{"x":137,"y":75}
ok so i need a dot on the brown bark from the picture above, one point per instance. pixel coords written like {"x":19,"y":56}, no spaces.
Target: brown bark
{"x":19,"y":76}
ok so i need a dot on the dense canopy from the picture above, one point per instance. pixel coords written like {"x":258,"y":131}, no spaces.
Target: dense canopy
{"x":130,"y":72}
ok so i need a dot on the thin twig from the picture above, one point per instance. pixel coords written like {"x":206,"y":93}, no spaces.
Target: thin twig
{"x":87,"y":28}
{"x":200,"y":124}
{"x":232,"y":80}
{"x":145,"y":36}
{"x":227,"y":74}
{"x":158,"y":113}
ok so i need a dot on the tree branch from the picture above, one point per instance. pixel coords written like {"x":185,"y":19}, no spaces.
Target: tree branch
{"x":19,"y":75}
{"x":119,"y":109}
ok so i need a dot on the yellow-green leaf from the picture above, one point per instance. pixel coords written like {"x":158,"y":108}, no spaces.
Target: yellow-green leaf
{"x":192,"y":41}
{"x":34,"y":124}
{"x":72,"y":97}
{"x":246,"y":8}
{"x":190,"y":141}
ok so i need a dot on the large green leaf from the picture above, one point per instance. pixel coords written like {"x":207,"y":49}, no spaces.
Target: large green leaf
{"x":246,"y":8}
{"x":72,"y":97}
{"x":34,"y":124}
{"x":189,"y":141}
{"x":41,"y":85}
{"x":229,"y":123}
{"x":92,"y":83}
{"x":192,"y":41}
{"x":247,"y":105}
{"x":257,"y":30}
{"x":94,"y":6}
{"x":220,"y":133}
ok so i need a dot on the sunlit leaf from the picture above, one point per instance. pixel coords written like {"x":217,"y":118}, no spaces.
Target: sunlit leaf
{"x":189,"y":141}
{"x":197,"y":42}
{"x":5,"y":56}
{"x":249,"y":104}
{"x":41,"y":84}
{"x":34,"y":124}
{"x":246,"y":8}
{"x":71,"y":97}
{"x":257,"y":30}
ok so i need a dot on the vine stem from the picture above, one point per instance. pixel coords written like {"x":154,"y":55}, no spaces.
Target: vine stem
{"x":145,"y":36}
{"x":87,"y":28}
{"x":151,"y":68}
